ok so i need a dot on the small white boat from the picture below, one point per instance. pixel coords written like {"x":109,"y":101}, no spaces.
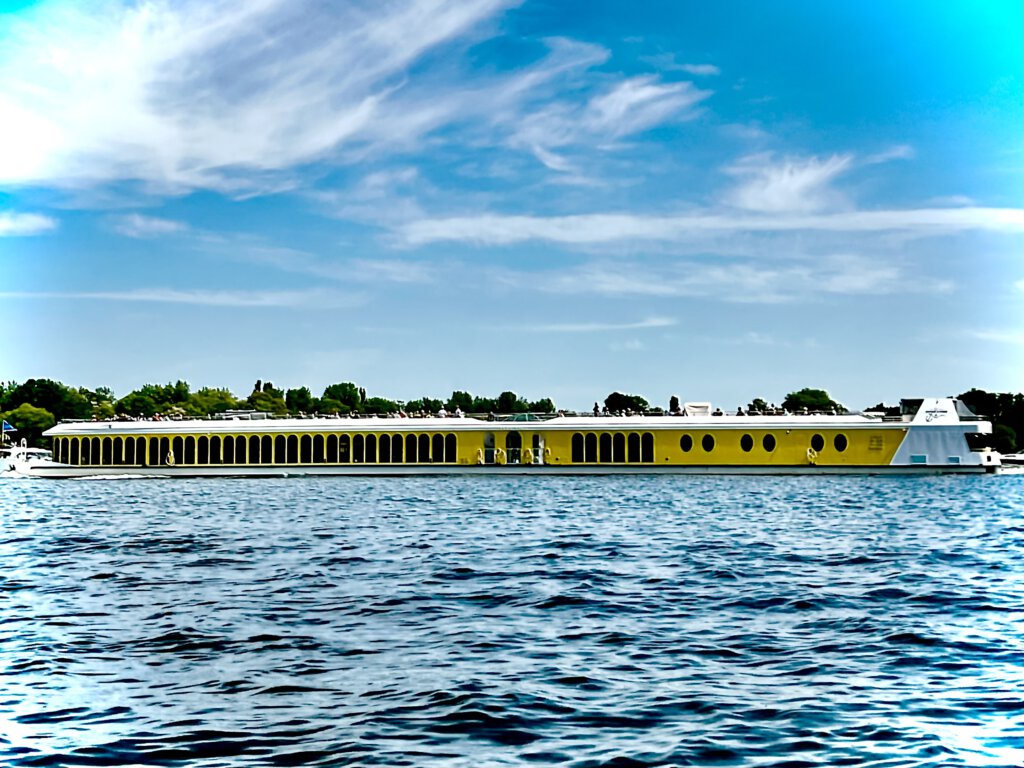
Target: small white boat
{"x":22,"y":460}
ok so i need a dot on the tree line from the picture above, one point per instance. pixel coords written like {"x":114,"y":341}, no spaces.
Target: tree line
{"x":37,"y":404}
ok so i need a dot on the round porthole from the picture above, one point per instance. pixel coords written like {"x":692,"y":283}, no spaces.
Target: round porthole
{"x":768,"y":441}
{"x":686,"y":443}
{"x":708,"y":443}
{"x":841,"y":443}
{"x":746,"y":443}
{"x":818,"y":443}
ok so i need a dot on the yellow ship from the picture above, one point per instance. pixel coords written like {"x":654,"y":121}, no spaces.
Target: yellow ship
{"x":932,"y":435}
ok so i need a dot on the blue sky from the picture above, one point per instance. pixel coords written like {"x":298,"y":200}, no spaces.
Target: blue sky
{"x":718,"y":201}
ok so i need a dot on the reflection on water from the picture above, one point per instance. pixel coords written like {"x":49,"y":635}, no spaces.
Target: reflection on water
{"x":614,"y":621}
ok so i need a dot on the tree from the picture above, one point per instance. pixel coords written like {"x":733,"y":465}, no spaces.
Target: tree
{"x":346,"y":394}
{"x":30,"y":422}
{"x":61,"y":401}
{"x":812,"y":400}
{"x":617,"y":401}
{"x":461,"y":400}
{"x":1004,"y":438}
{"x":379,"y":405}
{"x":510,"y":402}
{"x":271,"y":402}
{"x":673,"y":404}
{"x":544,"y":405}
{"x":299,"y":400}
{"x":757,"y":404}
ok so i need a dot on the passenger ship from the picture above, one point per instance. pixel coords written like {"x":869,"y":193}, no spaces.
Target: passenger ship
{"x":930,"y":436}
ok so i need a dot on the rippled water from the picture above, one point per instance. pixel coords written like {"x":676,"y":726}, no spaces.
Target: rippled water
{"x":606,"y":621}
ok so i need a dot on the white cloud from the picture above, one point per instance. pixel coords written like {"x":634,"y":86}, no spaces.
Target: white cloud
{"x":666,"y":62}
{"x":742,"y":282}
{"x":899,"y":152}
{"x":998,"y":336}
{"x":318,"y":299}
{"x":638,"y":104}
{"x":138,"y":226}
{"x":224,"y":94}
{"x":652,"y":322}
{"x":492,"y":229}
{"x":21,"y":224}
{"x":792,"y":185}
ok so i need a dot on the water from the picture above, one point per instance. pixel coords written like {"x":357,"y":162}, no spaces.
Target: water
{"x":625,"y":621}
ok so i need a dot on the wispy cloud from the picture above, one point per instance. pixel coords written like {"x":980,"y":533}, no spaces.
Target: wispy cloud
{"x":652,"y":322}
{"x":740,"y":282}
{"x":899,"y":152}
{"x":21,"y":224}
{"x":787,"y":186}
{"x":139,"y":226}
{"x":320,"y":299}
{"x":225,"y":94}
{"x":666,"y":62}
{"x":491,"y":229}
{"x":998,"y":336}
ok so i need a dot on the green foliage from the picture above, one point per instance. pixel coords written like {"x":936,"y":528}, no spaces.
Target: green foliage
{"x":30,"y":422}
{"x":544,"y":405}
{"x":812,"y":400}
{"x":510,"y":402}
{"x":758,"y":404}
{"x":300,"y":400}
{"x":61,"y":401}
{"x":617,"y":401}
{"x":379,"y":405}
{"x":346,"y":394}
{"x":462,"y":400}
{"x":269,"y":400}
{"x":1003,"y":409}
{"x":1004,"y":438}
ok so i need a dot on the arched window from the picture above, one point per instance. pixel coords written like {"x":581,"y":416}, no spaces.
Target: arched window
{"x":280,"y":449}
{"x":203,"y":450}
{"x":306,"y":449}
{"x":590,"y":448}
{"x":633,"y":445}
{"x":647,"y":448}
{"x":747,"y":443}
{"x":95,"y":454}
{"x":293,"y":449}
{"x":424,"y":449}
{"x":129,"y":451}
{"x":357,"y":449}
{"x":215,"y":450}
{"x":190,"y":450}
{"x":619,"y":448}
{"x":332,"y":449}
{"x":605,"y":445}
{"x":410,"y":449}
{"x":229,"y":449}
{"x":254,"y":449}
{"x":178,"y":446}
{"x":344,"y":449}
{"x":437,"y":446}
{"x":118,"y":451}
{"x":108,"y":451}
{"x":451,"y":448}
{"x":140,"y":450}
{"x":385,"y":449}
{"x":371,"y":449}
{"x":165,"y":451}
{"x":75,"y":457}
{"x":318,"y":449}
{"x":266,"y":449}
{"x":577,"y":448}
{"x":240,"y":452}
{"x":396,"y":449}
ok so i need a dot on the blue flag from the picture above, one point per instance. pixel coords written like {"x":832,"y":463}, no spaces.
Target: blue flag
{"x":8,"y":427}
